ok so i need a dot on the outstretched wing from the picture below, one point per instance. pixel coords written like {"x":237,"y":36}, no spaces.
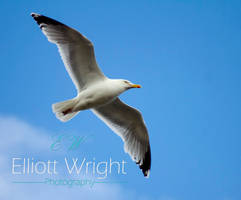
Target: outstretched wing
{"x":128,"y":123}
{"x":77,"y":51}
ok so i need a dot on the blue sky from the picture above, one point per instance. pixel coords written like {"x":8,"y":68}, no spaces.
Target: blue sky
{"x":185,"y":54}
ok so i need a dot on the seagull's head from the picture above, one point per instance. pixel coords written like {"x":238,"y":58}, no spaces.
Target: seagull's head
{"x":128,"y":85}
{"x":120,"y":85}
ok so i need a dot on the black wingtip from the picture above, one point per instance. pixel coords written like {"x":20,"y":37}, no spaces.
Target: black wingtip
{"x":41,"y":19}
{"x":146,"y":164}
{"x":34,"y":14}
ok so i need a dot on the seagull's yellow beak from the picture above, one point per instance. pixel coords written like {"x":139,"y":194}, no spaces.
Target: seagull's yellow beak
{"x":135,"y":86}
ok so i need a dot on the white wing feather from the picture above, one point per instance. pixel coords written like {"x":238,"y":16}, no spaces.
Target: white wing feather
{"x":76,"y":51}
{"x":128,"y":123}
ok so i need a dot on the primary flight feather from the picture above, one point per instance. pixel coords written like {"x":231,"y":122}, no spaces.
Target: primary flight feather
{"x":96,"y":91}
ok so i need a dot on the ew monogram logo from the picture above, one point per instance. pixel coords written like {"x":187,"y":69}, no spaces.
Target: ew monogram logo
{"x":68,"y":142}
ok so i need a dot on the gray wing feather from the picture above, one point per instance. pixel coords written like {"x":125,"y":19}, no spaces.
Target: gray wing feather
{"x":127,"y":122}
{"x":76,"y":51}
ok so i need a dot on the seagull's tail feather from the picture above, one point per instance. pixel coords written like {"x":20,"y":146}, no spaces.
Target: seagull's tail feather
{"x":63,"y":110}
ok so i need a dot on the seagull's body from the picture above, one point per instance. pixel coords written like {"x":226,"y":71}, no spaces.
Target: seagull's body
{"x":97,"y":94}
{"x":96,"y":91}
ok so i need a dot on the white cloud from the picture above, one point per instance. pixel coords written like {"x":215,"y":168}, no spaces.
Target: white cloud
{"x":18,"y":136}
{"x":16,"y":133}
{"x":39,"y":192}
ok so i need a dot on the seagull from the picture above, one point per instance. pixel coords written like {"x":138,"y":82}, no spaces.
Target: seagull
{"x":97,"y":92}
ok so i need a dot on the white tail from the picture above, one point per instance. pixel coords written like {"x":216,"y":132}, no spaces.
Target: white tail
{"x":63,"y":111}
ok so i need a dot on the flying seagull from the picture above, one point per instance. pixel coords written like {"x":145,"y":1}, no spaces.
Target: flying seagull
{"x":96,"y":91}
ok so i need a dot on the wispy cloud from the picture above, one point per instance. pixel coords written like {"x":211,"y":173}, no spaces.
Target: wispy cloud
{"x":16,"y":133}
{"x":19,"y":137}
